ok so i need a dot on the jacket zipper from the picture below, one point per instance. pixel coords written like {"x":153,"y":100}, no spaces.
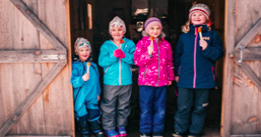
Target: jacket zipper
{"x":195,"y":63}
{"x":119,"y":71}
{"x":212,"y":70}
{"x":158,"y":64}
{"x":106,"y":70}
{"x":144,"y":73}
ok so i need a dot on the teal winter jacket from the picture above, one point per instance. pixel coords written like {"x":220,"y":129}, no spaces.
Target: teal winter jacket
{"x":117,"y":71}
{"x":85,"y":93}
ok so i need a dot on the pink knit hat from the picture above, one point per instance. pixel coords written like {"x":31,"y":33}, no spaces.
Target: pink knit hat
{"x":152,"y":22}
{"x":200,"y":8}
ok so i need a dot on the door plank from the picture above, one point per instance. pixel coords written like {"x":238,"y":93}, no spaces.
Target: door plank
{"x":31,"y":98}
{"x":38,"y":25}
{"x":54,"y":95}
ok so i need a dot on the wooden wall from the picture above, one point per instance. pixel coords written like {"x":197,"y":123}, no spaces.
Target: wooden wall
{"x":242,"y":92}
{"x":35,"y":94}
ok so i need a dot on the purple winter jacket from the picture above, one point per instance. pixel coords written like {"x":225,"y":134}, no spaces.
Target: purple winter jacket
{"x":156,"y":70}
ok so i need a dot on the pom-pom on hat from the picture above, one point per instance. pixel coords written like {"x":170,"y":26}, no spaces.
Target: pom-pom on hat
{"x":200,"y":8}
{"x":152,"y":22}
{"x":80,"y":43}
{"x":117,"y":22}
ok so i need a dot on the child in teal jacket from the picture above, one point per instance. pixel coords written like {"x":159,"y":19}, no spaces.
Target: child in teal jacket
{"x":86,"y":89}
{"x":116,"y":59}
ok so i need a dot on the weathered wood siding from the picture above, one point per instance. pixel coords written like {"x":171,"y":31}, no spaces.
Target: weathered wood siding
{"x":51,"y":113}
{"x":241,"y":94}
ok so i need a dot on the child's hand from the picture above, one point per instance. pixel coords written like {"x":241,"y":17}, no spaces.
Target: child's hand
{"x":118,"y":53}
{"x":170,"y":82}
{"x":150,"y":48}
{"x":122,"y":54}
{"x":177,"y":78}
{"x":98,"y":97}
{"x":86,"y":76}
{"x":203,"y":44}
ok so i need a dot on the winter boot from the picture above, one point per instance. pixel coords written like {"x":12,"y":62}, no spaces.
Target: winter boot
{"x":122,"y":132}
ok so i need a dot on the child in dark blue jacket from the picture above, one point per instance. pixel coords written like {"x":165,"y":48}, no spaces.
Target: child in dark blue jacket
{"x":86,"y":90}
{"x":198,"y":49}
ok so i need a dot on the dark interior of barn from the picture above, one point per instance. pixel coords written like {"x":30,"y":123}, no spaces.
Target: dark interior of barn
{"x":90,"y":19}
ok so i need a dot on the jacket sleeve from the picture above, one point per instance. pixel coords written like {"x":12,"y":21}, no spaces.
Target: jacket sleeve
{"x":214,"y":50}
{"x":141,"y":56}
{"x":129,"y":53}
{"x":169,"y":63}
{"x":76,"y":78}
{"x":178,"y":54}
{"x":106,"y":57}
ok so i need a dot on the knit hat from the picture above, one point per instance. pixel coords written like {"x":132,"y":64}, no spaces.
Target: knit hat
{"x":80,"y":43}
{"x":200,"y":8}
{"x":117,"y":22}
{"x":152,"y":22}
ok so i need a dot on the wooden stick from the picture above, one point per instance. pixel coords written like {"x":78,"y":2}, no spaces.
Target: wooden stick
{"x":88,"y":66}
{"x":200,"y":32}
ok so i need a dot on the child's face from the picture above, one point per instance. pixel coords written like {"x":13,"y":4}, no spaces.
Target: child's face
{"x":84,"y":53}
{"x":154,"y":31}
{"x":117,"y":33}
{"x":198,"y":18}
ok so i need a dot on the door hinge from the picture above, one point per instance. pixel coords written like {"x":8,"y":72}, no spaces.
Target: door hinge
{"x":59,"y":56}
{"x":240,"y":54}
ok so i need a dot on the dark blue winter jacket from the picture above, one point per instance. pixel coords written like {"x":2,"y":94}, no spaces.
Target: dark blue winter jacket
{"x":194,"y":66}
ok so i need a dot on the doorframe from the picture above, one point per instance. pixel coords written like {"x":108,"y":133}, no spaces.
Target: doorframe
{"x":69,"y":57}
{"x":225,"y":130}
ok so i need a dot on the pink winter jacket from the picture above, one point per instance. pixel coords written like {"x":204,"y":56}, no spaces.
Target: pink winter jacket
{"x":156,"y":70}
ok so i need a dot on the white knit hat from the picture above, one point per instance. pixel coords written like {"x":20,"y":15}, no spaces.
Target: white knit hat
{"x":117,"y":22}
{"x":200,"y":8}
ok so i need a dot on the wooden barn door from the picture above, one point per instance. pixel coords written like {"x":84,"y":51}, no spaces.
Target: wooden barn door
{"x":242,"y":83}
{"x":35,"y":91}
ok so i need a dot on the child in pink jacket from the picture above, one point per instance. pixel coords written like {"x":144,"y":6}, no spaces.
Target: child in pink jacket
{"x":153,"y":55}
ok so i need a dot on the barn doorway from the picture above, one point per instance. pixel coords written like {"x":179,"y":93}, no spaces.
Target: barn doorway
{"x":90,"y":19}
